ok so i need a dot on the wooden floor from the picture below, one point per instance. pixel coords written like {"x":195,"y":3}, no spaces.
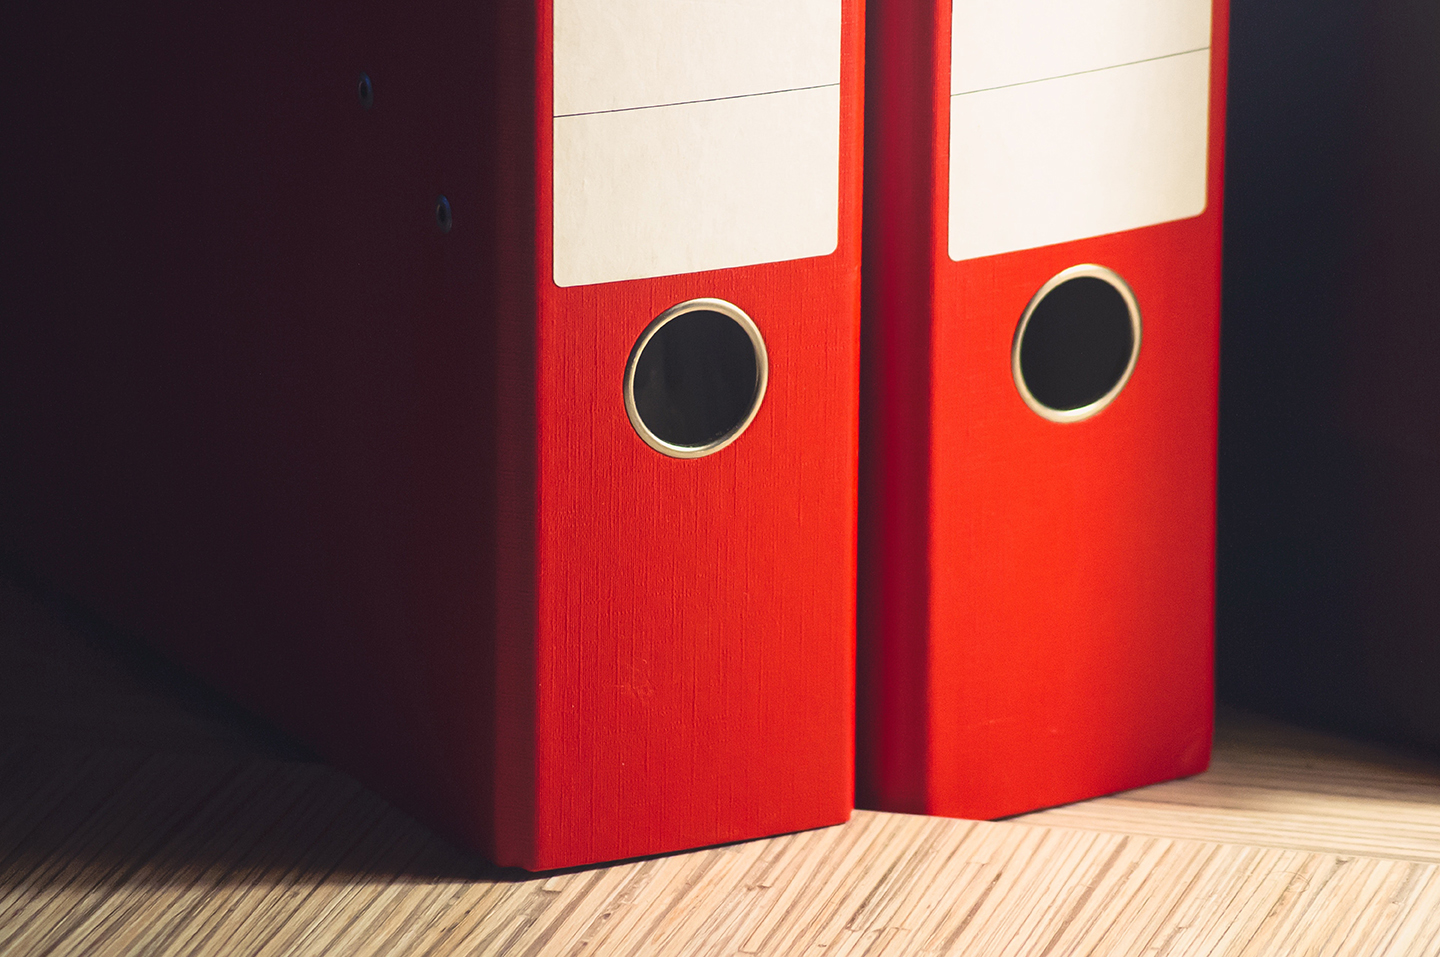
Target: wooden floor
{"x":139,"y":814}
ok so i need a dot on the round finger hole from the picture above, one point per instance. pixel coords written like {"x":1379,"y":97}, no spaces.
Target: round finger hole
{"x":696,"y":378}
{"x":1076,"y":344}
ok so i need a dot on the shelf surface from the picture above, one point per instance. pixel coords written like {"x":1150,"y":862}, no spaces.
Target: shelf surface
{"x":141,"y":814}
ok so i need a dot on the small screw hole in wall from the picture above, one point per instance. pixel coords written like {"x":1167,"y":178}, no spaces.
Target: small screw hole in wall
{"x":443,"y":218}
{"x":366,"y":91}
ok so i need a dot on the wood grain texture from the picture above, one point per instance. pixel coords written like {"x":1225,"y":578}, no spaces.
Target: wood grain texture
{"x":1275,"y":785}
{"x":141,"y":814}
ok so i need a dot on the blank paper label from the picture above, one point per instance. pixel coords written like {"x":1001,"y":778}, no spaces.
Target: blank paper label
{"x":693,"y":135}
{"x":1075,"y":119}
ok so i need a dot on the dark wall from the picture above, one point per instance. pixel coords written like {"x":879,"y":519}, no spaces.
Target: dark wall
{"x":1329,"y":541}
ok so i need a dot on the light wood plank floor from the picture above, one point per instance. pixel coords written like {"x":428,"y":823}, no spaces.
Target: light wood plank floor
{"x":140,"y":814}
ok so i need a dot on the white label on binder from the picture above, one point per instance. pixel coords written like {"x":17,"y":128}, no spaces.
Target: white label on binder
{"x":693,"y":135}
{"x":1075,"y":118}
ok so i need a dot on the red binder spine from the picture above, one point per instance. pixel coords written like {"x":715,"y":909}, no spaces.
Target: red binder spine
{"x":1037,"y":602}
{"x":694,"y":618}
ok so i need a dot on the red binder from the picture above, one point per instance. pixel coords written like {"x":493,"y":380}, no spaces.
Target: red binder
{"x":1042,"y":304}
{"x":472,"y":390}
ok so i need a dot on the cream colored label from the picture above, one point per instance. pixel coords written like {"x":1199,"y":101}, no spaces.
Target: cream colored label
{"x":1075,"y":119}
{"x":693,"y":135}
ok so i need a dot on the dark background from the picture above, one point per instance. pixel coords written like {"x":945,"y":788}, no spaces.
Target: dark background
{"x":1328,"y":599}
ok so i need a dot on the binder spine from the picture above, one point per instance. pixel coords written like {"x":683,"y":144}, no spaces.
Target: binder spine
{"x":693,"y":643}
{"x":1034,"y":604}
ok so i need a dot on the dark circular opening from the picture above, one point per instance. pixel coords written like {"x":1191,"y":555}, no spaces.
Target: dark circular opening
{"x":1077,"y":344}
{"x":366,"y":91}
{"x":442,"y":214}
{"x":694,"y":382}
